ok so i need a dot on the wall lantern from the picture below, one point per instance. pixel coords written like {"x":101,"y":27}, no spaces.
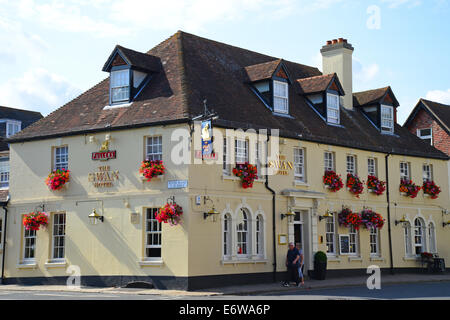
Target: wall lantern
{"x":290,"y":215}
{"x":327,"y":215}
{"x":402,"y":220}
{"x":94,"y":217}
{"x":211,"y":212}
{"x":444,"y":224}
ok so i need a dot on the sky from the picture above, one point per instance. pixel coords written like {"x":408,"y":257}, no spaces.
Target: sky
{"x":53,"y":50}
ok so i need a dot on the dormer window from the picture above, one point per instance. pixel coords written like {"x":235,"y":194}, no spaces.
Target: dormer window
{"x":387,"y":119}
{"x":12,"y":127}
{"x":280,"y":97}
{"x":120,"y":86}
{"x":333,"y":108}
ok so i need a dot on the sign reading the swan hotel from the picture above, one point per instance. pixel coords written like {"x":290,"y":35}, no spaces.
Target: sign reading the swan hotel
{"x":104,"y":177}
{"x":282,"y":165}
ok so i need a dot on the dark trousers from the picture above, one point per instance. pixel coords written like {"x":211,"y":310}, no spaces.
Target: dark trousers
{"x":292,"y":274}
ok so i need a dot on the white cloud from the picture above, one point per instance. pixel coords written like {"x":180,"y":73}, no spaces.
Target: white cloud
{"x":363,"y":74}
{"x":37,"y":90}
{"x":441,"y":96}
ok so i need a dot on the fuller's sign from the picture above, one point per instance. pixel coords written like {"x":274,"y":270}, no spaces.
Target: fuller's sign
{"x":104,"y":155}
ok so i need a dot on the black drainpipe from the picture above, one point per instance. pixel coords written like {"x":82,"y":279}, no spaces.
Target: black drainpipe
{"x":5,"y":208}
{"x":389,"y":215}
{"x":274,"y":194}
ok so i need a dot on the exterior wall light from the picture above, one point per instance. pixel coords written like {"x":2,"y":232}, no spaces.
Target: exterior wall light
{"x":290,"y":215}
{"x":444,"y":224}
{"x":94,"y":217}
{"x":402,"y":220}
{"x":211,"y":212}
{"x":327,"y":215}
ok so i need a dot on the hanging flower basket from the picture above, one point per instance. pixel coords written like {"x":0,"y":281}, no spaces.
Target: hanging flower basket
{"x":354,"y":185}
{"x":371,"y":219}
{"x":170,"y":213}
{"x":375,"y":185}
{"x":347,"y":218}
{"x":431,"y":189}
{"x":409,"y":188}
{"x":34,"y":220}
{"x":332,"y":181}
{"x":57,"y":179}
{"x":152,"y":168}
{"x":247,"y":172}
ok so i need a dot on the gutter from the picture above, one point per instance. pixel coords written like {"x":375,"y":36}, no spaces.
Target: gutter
{"x":274,"y":194}
{"x":5,"y":208}
{"x":389,"y":215}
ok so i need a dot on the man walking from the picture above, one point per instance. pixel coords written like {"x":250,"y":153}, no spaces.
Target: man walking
{"x":292,"y":264}
{"x":300,"y":267}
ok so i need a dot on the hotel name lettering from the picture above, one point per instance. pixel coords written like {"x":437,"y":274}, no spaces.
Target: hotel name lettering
{"x":282,"y":165}
{"x":104,"y":177}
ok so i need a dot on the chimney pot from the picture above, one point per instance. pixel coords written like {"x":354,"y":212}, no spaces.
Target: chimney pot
{"x":340,"y":40}
{"x":334,"y":41}
{"x":329,"y":42}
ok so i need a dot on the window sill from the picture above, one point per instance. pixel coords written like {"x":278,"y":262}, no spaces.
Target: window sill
{"x":52,"y":264}
{"x":234,"y":178}
{"x":27,"y":265}
{"x":333,"y":259}
{"x":151,"y":263}
{"x":244,"y":261}
{"x":160,"y":178}
{"x":411,"y":258}
{"x":355,"y":259}
{"x":118,"y":105}
{"x":375,"y":258}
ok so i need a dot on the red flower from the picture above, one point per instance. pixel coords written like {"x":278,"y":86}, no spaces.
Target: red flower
{"x":247,"y":172}
{"x":57,"y":179}
{"x":354,"y":184}
{"x":430,"y":188}
{"x":34,"y":220}
{"x":150,"y":169}
{"x":333,"y":181}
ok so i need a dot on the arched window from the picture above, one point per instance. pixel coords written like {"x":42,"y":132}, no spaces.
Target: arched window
{"x":242,"y":229}
{"x":432,"y":237}
{"x":227,"y":247}
{"x":260,"y":235}
{"x":419,"y":236}
{"x":408,"y":244}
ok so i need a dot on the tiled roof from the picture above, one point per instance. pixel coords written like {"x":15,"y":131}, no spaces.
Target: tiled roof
{"x":441,"y":111}
{"x":369,"y":96}
{"x":195,"y":69}
{"x":25,"y":116}
{"x":139,"y":60}
{"x":262,"y":71}
{"x":316,"y":84}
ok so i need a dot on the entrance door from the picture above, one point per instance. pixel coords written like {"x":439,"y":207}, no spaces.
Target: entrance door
{"x":301,"y":235}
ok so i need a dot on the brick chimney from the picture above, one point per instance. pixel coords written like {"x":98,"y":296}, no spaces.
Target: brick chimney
{"x":337,"y":58}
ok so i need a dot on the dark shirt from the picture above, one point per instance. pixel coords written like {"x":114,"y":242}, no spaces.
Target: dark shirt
{"x":291,"y":256}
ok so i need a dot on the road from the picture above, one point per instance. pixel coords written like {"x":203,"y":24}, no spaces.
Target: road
{"x":435,"y":290}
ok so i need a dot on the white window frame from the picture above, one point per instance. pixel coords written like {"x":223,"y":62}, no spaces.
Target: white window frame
{"x":419,"y":236}
{"x":331,"y":235}
{"x":61,"y":157}
{"x":243,"y":235}
{"x":153,"y":148}
{"x":329,"y":161}
{"x":405,"y":171}
{"x":226,"y":165}
{"x":354,"y":241}
{"x":333,"y":107}
{"x":374,"y":242}
{"x":342,"y":236}
{"x":260,"y":150}
{"x":259,"y":235}
{"x":4,"y":173}
{"x":152,"y":231}
{"x":408,"y":240}
{"x":280,"y":99}
{"x":299,"y":165}
{"x":424,"y":137}
{"x":28,"y":235}
{"x":387,"y":123}
{"x":241,"y":151}
{"x":16,"y":127}
{"x":120,"y":86}
{"x":427,"y":172}
{"x":372,"y":167}
{"x":227,"y":230}
{"x":57,"y":235}
{"x":351,"y":164}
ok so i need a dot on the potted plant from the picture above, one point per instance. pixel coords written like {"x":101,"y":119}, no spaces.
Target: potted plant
{"x":354,"y":184}
{"x":375,"y":185}
{"x":332,"y":181}
{"x":247,"y":172}
{"x":34,"y":220}
{"x":371,"y":219}
{"x":170,"y":213}
{"x":320,"y":265}
{"x":431,"y":189}
{"x":57,"y":179}
{"x":409,"y":188}
{"x":152,"y":168}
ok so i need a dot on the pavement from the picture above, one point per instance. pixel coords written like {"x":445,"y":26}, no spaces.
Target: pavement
{"x":243,"y":290}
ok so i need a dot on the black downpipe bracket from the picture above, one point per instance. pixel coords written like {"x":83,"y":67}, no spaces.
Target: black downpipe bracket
{"x":274,"y":194}
{"x":5,"y":208}
{"x":389,"y":215}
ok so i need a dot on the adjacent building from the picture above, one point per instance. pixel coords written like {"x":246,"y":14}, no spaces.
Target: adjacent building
{"x":299,"y":121}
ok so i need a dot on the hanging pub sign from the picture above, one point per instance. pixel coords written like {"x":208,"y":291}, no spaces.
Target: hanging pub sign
{"x":104,"y":154}
{"x":207,"y":146}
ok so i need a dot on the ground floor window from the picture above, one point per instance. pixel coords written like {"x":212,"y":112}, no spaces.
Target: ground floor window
{"x":29,"y":245}
{"x":330,"y":235}
{"x":59,"y":235}
{"x":153,"y":235}
{"x":419,"y":236}
{"x":374,"y":242}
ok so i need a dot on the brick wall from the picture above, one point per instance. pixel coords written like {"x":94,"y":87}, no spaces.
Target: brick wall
{"x":441,"y":140}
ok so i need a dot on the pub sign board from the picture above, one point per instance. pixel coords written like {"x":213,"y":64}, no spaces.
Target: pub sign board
{"x":104,"y":155}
